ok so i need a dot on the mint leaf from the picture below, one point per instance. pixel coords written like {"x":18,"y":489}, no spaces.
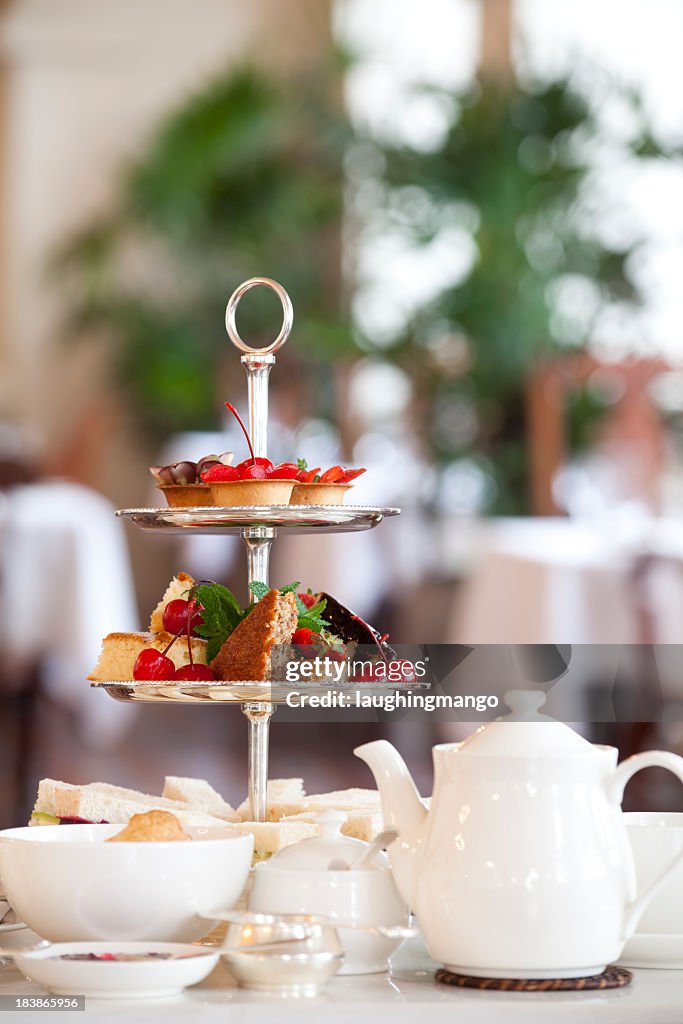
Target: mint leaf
{"x":221,"y":612}
{"x":259,"y":590}
{"x":291,"y":588}
{"x":213,"y":647}
{"x":312,"y":622}
{"x":311,"y":618}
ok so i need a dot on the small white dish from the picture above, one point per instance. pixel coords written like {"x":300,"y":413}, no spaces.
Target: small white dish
{"x":655,"y":951}
{"x":166,"y":968}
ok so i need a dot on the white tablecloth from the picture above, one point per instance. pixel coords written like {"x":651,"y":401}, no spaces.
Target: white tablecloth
{"x":66,"y":582}
{"x":408,"y":994}
{"x":561,"y":581}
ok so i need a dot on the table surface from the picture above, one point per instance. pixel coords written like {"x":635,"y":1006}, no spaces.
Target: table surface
{"x":407,"y":994}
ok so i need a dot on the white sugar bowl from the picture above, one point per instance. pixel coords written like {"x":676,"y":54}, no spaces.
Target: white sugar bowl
{"x":306,"y":878}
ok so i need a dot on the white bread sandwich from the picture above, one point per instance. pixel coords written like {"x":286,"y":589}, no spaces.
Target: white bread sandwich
{"x":289,"y":792}
{"x":353,"y":801}
{"x":200,"y":794}
{"x":358,"y":824}
{"x":60,"y":803}
{"x":98,"y":802}
{"x":272,"y":836}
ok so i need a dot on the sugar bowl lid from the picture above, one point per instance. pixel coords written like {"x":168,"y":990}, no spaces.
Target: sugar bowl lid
{"x":329,"y":851}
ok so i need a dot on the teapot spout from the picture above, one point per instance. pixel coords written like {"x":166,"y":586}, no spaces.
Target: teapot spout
{"x":402,"y":809}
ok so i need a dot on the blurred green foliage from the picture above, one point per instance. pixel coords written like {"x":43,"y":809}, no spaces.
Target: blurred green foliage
{"x":511,"y":174}
{"x":245,"y":180}
{"x":248,"y":179}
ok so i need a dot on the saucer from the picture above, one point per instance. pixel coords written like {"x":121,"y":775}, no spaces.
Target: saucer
{"x":652,"y":950}
{"x":118,"y":970}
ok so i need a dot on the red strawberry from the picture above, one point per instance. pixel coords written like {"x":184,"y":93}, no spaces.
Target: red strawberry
{"x":308,"y":475}
{"x":332,"y":475}
{"x":308,"y":599}
{"x":285,"y":471}
{"x":350,"y":474}
{"x":305,"y":636}
{"x":368,"y":674}
{"x":220,"y":474}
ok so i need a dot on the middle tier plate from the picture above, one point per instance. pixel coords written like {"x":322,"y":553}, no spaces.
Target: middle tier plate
{"x":200,"y":692}
{"x":219,"y":520}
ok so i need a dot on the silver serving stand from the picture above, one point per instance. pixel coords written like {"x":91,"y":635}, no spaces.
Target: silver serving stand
{"x":258,"y":526}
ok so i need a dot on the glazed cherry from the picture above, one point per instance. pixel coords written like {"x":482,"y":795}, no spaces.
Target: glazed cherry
{"x":175,"y":617}
{"x":152,"y":664}
{"x":194,"y":671}
{"x":285,"y":471}
{"x":258,"y":461}
{"x":254,"y":472}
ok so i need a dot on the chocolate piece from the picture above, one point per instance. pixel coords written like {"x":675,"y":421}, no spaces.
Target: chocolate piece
{"x":350,"y":628}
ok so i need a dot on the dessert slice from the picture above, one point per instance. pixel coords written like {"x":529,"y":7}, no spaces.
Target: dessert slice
{"x":256,"y":481}
{"x":246,"y":654}
{"x":177,"y":590}
{"x":120,"y":652}
{"x":329,"y":488}
{"x":181,"y":482}
{"x":351,"y":628}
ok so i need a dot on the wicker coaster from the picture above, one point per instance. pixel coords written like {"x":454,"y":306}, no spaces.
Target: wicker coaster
{"x":611,"y":977}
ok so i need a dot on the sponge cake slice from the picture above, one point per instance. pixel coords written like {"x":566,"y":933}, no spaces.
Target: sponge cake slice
{"x":177,"y":589}
{"x":120,"y":650}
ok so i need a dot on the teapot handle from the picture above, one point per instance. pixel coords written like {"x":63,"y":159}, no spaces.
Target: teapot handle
{"x":615,"y":792}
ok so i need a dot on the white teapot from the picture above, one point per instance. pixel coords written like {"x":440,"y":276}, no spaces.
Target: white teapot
{"x":522,"y":866}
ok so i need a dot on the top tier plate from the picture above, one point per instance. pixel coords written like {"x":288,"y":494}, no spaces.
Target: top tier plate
{"x":303,"y":518}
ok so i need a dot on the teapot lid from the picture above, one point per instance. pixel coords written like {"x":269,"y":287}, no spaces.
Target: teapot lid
{"x":325,"y":852}
{"x":525,"y":732}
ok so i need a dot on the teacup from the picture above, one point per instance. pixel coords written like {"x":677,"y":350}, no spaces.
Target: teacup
{"x":655,"y":838}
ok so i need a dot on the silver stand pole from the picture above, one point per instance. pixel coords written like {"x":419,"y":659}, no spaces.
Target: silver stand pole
{"x":258,"y":539}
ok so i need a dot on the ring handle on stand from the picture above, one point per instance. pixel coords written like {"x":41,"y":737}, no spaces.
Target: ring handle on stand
{"x":287,"y":321}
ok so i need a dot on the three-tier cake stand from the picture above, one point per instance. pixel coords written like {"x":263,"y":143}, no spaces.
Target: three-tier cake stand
{"x":258,"y":527}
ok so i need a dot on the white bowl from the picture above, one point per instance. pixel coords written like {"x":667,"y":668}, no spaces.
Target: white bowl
{"x":145,"y":978}
{"x":69,"y":885}
{"x":363,"y":898}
